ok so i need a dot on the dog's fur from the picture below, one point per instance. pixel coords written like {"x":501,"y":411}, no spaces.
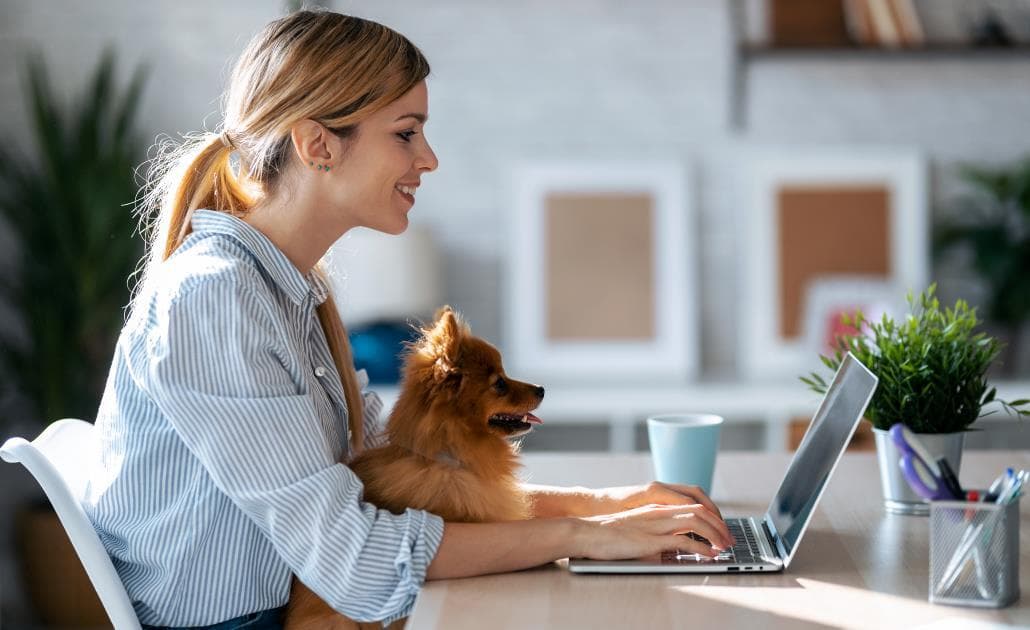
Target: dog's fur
{"x":449,"y":450}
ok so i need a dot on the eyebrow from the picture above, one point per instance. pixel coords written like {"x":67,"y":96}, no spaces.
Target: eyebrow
{"x":422,"y":118}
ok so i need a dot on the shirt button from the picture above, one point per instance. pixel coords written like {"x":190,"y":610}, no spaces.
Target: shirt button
{"x":320,"y":371}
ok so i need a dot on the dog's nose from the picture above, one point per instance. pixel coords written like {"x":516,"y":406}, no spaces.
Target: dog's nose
{"x":539,"y":391}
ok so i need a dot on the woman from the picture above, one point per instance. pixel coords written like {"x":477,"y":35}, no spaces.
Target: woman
{"x":232,"y":397}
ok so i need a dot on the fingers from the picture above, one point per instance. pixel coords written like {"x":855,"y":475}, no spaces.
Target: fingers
{"x":717,"y":531}
{"x":683,"y":519}
{"x":680,"y":493}
{"x":694,"y":524}
{"x":694,"y":494}
{"x":685,"y":546}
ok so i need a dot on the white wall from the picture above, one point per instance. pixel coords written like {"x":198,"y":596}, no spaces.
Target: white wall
{"x":515,"y":81}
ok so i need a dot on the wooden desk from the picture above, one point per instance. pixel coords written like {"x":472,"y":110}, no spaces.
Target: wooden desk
{"x":857,"y":566}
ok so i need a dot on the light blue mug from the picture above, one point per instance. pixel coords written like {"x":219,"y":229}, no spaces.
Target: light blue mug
{"x":683,"y":447}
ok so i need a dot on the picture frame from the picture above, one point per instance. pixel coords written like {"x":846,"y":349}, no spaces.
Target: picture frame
{"x":828,"y":297}
{"x":601,"y":276}
{"x":823,"y":212}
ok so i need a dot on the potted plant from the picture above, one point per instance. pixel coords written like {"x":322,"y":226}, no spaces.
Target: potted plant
{"x":992,"y":219}
{"x":69,"y":208}
{"x":932,"y":369}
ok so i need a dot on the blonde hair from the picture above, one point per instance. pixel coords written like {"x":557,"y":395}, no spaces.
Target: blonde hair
{"x":312,"y":64}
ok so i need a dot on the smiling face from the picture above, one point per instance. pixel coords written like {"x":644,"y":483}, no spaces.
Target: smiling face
{"x":373,"y":183}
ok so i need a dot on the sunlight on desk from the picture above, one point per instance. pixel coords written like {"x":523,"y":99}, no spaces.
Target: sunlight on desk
{"x":826,"y":603}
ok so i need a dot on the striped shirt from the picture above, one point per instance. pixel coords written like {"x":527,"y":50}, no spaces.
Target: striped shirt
{"x":223,"y":425}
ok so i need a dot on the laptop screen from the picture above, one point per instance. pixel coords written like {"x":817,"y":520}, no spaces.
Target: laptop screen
{"x":820,"y":450}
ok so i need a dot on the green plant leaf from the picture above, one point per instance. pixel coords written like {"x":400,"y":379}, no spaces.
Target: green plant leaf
{"x":931,"y":366}
{"x":66,"y":206}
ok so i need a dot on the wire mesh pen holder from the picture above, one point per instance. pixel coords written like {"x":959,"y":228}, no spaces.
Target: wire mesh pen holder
{"x":974,"y":553}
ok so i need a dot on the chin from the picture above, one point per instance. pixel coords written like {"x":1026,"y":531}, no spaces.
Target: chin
{"x":398,"y":227}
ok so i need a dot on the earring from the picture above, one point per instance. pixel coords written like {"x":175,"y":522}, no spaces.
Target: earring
{"x":321,"y":167}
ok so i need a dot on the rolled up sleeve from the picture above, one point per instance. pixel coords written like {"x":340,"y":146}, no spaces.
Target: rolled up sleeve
{"x":217,"y":372}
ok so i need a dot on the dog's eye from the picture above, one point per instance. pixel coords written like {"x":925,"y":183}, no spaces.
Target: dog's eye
{"x":501,"y":386}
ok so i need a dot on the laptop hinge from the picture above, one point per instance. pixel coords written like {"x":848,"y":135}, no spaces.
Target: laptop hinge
{"x":770,"y":546}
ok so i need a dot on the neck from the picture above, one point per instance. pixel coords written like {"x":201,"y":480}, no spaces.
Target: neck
{"x":295,"y":228}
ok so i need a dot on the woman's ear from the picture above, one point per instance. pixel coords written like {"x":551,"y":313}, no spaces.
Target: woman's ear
{"x":312,"y":142}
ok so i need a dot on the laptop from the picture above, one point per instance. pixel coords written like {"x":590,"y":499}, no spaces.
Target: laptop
{"x":769,"y":542}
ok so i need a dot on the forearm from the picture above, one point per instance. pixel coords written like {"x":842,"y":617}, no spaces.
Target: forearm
{"x":480,"y":548}
{"x":555,"y":501}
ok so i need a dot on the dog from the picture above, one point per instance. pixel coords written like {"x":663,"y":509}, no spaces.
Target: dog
{"x":450,"y":448}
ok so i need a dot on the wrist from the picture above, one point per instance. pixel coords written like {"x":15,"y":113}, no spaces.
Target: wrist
{"x":580,"y":533}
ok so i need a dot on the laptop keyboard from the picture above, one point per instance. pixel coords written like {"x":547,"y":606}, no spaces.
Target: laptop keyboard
{"x":746,"y":549}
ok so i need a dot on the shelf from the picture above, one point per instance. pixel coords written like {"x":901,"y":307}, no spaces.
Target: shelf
{"x":752,"y":54}
{"x":758,"y":52}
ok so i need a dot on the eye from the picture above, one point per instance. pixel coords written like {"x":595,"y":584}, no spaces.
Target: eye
{"x":406,"y":135}
{"x":501,"y":386}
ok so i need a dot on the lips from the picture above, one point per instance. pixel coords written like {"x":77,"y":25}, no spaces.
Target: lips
{"x":407,"y":191}
{"x":409,"y":198}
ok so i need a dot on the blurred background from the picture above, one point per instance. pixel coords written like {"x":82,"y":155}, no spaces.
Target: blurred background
{"x":711,"y":86}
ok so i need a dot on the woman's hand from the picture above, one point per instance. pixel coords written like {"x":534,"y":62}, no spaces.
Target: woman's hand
{"x":621,"y":498}
{"x":651,"y":529}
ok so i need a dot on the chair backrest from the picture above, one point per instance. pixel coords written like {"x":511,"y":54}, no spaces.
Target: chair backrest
{"x":59,"y":459}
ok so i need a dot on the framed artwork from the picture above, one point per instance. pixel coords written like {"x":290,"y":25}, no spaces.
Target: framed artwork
{"x":829,"y":297}
{"x":601,"y":282}
{"x":813,"y":214}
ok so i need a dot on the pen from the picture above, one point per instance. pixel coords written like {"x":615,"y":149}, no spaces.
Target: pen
{"x":1010,"y":489}
{"x":992,"y":492}
{"x":949,"y":479}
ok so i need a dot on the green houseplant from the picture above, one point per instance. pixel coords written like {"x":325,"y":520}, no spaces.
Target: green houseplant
{"x":992,"y":219}
{"x":69,"y":207}
{"x":932,"y":368}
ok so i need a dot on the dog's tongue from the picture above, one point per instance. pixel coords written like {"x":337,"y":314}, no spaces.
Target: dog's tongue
{"x":530,"y":418}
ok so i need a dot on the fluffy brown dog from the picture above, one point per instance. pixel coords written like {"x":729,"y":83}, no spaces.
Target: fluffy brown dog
{"x":448,"y":451}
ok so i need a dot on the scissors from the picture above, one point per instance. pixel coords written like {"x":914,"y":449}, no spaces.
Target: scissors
{"x":920,"y":469}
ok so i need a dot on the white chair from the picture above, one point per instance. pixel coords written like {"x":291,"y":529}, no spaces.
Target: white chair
{"x":58,"y":459}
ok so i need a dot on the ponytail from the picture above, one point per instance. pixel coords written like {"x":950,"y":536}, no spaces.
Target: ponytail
{"x":208,"y":182}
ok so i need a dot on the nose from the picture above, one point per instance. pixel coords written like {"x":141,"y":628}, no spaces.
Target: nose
{"x":427,"y":161}
{"x":539,"y":391}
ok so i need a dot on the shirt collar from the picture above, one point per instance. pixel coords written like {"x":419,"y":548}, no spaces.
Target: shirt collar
{"x":296,"y":285}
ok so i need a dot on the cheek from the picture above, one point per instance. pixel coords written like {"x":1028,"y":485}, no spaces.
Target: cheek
{"x":355,"y":184}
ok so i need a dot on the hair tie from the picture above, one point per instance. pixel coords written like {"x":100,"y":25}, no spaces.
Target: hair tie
{"x":226,"y":141}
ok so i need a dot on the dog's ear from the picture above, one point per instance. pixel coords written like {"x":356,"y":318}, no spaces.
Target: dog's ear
{"x":443,"y":340}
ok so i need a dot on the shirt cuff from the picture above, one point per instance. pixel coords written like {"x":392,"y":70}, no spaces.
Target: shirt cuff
{"x":418,"y":548}
{"x":373,"y":422}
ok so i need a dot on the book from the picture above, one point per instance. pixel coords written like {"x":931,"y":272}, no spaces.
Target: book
{"x":907,"y":20}
{"x":881,"y":16}
{"x":794,"y":23}
{"x":857,"y":21}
